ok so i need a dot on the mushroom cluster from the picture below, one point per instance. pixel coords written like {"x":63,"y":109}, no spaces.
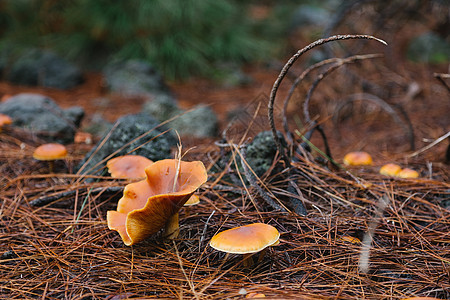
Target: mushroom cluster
{"x":395,"y":170}
{"x":153,"y":203}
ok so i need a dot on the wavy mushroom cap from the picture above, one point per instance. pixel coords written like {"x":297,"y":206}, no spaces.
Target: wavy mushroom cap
{"x":357,"y":158}
{"x":408,"y":173}
{"x":390,"y":169}
{"x":128,"y":166}
{"x":147,"y":205}
{"x":5,"y":120}
{"x":50,"y":151}
{"x":246,"y":239}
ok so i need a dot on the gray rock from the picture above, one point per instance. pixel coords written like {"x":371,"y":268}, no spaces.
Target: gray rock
{"x":429,"y":48}
{"x":43,"y":68}
{"x":43,"y":117}
{"x":75,"y":114}
{"x":162,"y":107}
{"x":201,"y":121}
{"x":261,"y":152}
{"x":97,"y":125}
{"x":122,"y":141}
{"x":134,"y":78}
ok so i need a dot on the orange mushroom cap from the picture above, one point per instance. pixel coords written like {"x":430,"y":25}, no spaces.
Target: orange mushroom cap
{"x":50,"y":151}
{"x":390,"y":169}
{"x":148,"y":205}
{"x":245,"y":239}
{"x":357,"y":158}
{"x":5,"y":120}
{"x":128,"y":166}
{"x":408,"y":173}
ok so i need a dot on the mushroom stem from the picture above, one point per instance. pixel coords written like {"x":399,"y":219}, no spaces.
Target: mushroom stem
{"x":261,"y":255}
{"x":172,"y":229}
{"x":51,"y":166}
{"x":247,"y":260}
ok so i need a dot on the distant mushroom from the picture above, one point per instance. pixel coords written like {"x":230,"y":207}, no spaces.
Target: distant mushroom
{"x":390,"y":169}
{"x":246,"y":240}
{"x":4,"y":120}
{"x":358,"y":158}
{"x":50,"y":152}
{"x":153,"y":203}
{"x":255,"y":295}
{"x":408,"y":173}
{"x":128,"y":166}
{"x":350,"y":239}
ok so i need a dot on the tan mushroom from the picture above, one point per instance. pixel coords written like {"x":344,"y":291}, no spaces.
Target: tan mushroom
{"x":246,"y":240}
{"x":194,"y":200}
{"x":153,"y":203}
{"x":358,"y":158}
{"x":4,"y":121}
{"x":408,"y":173}
{"x":390,"y":169}
{"x":255,"y":295}
{"x":50,"y":152}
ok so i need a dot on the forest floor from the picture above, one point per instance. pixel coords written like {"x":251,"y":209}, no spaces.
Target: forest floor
{"x":65,"y":250}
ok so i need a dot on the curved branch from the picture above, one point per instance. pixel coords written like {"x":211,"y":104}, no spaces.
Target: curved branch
{"x":286,"y":68}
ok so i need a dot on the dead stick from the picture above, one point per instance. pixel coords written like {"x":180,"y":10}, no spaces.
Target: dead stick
{"x":41,"y":201}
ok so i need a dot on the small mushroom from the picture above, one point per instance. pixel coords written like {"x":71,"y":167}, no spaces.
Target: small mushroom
{"x":246,"y":240}
{"x":390,"y":169}
{"x":128,"y":166}
{"x":357,"y":158}
{"x":255,"y":295}
{"x":194,"y":200}
{"x":50,"y":152}
{"x":408,"y":173}
{"x":4,"y":120}
{"x":350,"y":239}
{"x":153,"y":203}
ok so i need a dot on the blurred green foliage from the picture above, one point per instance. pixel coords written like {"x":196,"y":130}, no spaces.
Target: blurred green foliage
{"x":180,"y":37}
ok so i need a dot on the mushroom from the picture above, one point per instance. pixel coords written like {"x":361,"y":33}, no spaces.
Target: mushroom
{"x":194,"y":200}
{"x":153,"y":203}
{"x":255,"y":295}
{"x":4,"y":120}
{"x":390,"y":169}
{"x":358,"y":158}
{"x":408,"y":173}
{"x":50,"y":152}
{"x":128,"y":166}
{"x":350,"y":239}
{"x":246,"y":240}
